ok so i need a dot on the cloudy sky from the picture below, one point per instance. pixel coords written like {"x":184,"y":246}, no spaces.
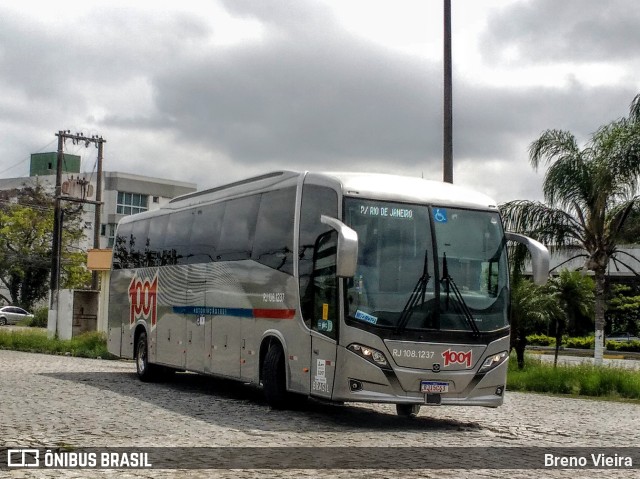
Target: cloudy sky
{"x":211,"y":91}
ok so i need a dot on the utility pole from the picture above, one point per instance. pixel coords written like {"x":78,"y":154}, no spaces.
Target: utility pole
{"x":56,"y":240}
{"x":96,"y":221}
{"x":448,"y":98}
{"x":56,"y":246}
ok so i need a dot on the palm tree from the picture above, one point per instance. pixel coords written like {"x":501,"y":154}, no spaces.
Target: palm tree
{"x":573,"y":292}
{"x":589,"y":194}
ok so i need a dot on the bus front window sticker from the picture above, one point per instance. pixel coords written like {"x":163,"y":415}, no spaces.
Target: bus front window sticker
{"x":440,"y":215}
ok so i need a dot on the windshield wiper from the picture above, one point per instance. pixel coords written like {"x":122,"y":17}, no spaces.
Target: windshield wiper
{"x":462,"y":304}
{"x":417,"y":295}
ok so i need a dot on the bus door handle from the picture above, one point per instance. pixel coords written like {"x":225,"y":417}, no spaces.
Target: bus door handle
{"x":316,"y":351}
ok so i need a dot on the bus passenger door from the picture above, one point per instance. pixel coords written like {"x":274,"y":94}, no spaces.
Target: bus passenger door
{"x":324,"y":320}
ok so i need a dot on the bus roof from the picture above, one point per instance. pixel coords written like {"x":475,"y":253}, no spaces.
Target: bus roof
{"x":377,"y":186}
{"x":408,"y":189}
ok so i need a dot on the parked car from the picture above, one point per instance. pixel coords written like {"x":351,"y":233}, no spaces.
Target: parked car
{"x":13,"y":315}
{"x":622,"y":337}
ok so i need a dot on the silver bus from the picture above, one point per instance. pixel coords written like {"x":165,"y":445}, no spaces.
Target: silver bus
{"x":338,"y":286}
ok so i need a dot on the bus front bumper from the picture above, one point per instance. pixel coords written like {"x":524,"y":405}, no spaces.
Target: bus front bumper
{"x":358,"y":380}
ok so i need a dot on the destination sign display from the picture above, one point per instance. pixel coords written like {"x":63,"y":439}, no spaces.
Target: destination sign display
{"x":384,"y":210}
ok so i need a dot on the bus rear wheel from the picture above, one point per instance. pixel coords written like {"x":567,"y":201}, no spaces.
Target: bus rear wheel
{"x":274,"y":380}
{"x":145,"y":371}
{"x":407,"y":410}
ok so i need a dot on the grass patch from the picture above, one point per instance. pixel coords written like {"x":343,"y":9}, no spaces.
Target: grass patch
{"x":581,"y":380}
{"x":86,"y":345}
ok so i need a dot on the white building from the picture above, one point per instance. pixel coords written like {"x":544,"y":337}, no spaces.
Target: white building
{"x":122,"y":194}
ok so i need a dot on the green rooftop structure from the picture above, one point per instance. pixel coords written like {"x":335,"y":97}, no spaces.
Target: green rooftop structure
{"x":46,"y":164}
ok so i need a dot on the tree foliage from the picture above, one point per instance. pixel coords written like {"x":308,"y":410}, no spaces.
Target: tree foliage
{"x":25,"y":247}
{"x":589,"y":195}
{"x":623,"y":310}
{"x":531,"y":310}
{"x":573,"y":294}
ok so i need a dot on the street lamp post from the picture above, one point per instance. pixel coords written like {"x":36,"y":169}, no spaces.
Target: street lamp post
{"x":448,"y":98}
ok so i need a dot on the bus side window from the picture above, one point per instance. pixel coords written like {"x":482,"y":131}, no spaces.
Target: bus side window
{"x":138,"y":243}
{"x":176,"y":242}
{"x":205,"y":233}
{"x":157,"y":231}
{"x":316,"y":201}
{"x":121,"y":247}
{"x":238,"y":229}
{"x":273,"y":244}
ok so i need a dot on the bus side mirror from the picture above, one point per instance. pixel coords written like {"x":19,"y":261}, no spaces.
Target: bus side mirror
{"x":539,"y":256}
{"x":347,"y":254}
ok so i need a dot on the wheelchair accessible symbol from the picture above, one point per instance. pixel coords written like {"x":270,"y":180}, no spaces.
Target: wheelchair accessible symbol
{"x":440,"y":215}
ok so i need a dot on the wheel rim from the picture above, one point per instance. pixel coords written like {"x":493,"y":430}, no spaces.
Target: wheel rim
{"x":142,"y":356}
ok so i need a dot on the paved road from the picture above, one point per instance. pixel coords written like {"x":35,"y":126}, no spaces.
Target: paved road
{"x":64,"y":401}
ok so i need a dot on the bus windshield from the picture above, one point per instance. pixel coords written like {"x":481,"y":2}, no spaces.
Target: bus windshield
{"x":427,"y":268}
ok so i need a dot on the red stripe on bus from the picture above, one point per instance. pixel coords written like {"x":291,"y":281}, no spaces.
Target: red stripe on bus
{"x":274,"y":313}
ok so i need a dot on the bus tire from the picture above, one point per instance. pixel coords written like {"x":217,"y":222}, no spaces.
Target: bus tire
{"x":145,"y":371}
{"x":274,"y":380}
{"x":407,"y":410}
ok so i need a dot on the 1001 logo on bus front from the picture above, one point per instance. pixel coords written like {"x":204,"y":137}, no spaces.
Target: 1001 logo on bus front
{"x":457,"y":357}
{"x":143,"y":300}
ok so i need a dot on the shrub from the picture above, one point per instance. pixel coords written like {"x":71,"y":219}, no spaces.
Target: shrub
{"x":630,"y":346}
{"x":541,"y":340}
{"x":40,"y":317}
{"x":579,"y":343}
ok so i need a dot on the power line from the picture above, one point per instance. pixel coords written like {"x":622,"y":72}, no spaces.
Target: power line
{"x":27,"y":159}
{"x":13,"y":166}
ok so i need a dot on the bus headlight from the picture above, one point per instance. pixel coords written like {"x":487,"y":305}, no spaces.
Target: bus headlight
{"x":372,"y":355}
{"x":493,"y":361}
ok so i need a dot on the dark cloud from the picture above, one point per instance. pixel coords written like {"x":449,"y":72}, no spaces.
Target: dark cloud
{"x":491,"y":122}
{"x":66,"y":61}
{"x":543,"y":31}
{"x":297,"y":97}
{"x":300,"y":94}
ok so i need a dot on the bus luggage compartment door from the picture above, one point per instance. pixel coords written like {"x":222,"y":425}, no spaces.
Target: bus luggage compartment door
{"x":225,"y":357}
{"x":195,"y":324}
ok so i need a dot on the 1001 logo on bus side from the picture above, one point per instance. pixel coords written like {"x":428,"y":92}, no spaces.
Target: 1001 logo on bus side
{"x":143,"y":301}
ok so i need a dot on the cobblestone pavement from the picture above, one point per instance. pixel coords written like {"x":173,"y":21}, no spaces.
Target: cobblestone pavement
{"x":49,"y":401}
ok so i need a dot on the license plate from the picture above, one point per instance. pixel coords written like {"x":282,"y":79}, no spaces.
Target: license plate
{"x":434,"y":387}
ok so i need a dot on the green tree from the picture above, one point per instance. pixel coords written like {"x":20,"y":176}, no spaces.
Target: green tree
{"x":589,"y":193}
{"x":573,"y":292}
{"x":25,"y":247}
{"x":623,"y":310}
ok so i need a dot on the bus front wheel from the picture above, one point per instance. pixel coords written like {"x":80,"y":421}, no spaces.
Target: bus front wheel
{"x":407,"y":410}
{"x":274,"y":379}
